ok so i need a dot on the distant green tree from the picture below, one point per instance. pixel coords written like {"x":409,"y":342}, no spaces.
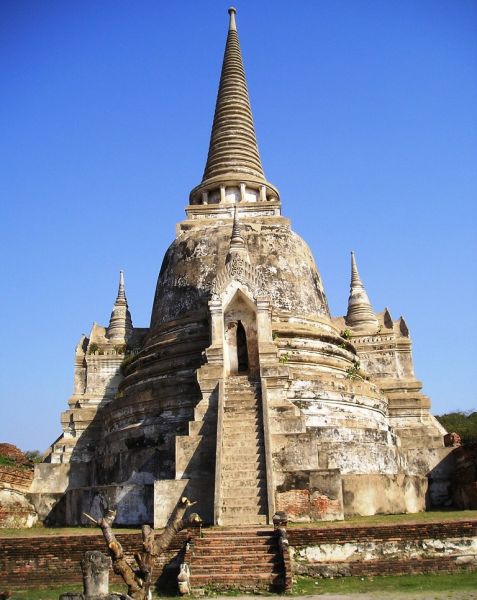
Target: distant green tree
{"x":463,"y":423}
{"x":34,"y":456}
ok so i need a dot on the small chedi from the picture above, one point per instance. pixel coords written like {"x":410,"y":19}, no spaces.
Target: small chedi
{"x":244,"y":392}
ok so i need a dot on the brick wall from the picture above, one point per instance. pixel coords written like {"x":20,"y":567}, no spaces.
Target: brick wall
{"x":17,"y":478}
{"x":35,"y":561}
{"x":384,"y":550}
{"x":307,"y":536}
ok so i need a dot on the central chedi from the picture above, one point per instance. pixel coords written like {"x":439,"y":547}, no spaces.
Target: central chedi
{"x":244,"y":394}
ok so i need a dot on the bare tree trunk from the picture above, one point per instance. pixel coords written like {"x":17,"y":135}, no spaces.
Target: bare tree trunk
{"x":139,"y":580}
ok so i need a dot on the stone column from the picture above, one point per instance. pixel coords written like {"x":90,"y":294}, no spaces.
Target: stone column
{"x":266,"y":347}
{"x":215,"y":350}
{"x":217,"y":322}
{"x":95,"y":566}
{"x":242,"y":192}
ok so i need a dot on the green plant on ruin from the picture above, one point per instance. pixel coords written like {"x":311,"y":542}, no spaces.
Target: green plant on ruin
{"x":127,"y":360}
{"x":275,"y":336}
{"x":353,"y":372}
{"x":284,"y":358}
{"x":93,"y":348}
{"x":5,"y":461}
{"x":345,"y":334}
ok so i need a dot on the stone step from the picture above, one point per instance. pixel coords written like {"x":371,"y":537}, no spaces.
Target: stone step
{"x":244,"y":470}
{"x":225,"y":548}
{"x":243,"y":508}
{"x":241,"y":544}
{"x":262,"y":562}
{"x":242,"y":459}
{"x":237,"y":483}
{"x":253,"y":495}
{"x":251,"y":452}
{"x":239,"y":427}
{"x":241,"y":385}
{"x":235,"y":569}
{"x":245,"y":417}
{"x":240,"y":491}
{"x":246,"y":441}
{"x":235,"y":553}
{"x":243,"y":519}
{"x":252,"y":506}
{"x":252,"y":434}
{"x":254,"y":581}
{"x":256,"y":502}
{"x":238,"y":563}
{"x":241,"y":413}
{"x":233,"y":433}
{"x":241,"y":408}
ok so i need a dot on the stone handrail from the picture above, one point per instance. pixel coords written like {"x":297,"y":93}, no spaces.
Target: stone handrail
{"x":268,"y":451}
{"x":218,"y":451}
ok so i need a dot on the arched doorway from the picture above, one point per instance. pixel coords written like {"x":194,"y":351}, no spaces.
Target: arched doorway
{"x":240,"y":329}
{"x":242,"y":351}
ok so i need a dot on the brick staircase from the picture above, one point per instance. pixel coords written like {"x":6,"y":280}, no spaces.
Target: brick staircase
{"x":242,"y":559}
{"x":243,"y":486}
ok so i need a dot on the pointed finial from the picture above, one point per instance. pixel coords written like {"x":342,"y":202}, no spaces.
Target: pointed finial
{"x":121,"y":290}
{"x":232,"y":24}
{"x":236,"y":235}
{"x":360,"y":313}
{"x":237,"y":243}
{"x":355,"y":280}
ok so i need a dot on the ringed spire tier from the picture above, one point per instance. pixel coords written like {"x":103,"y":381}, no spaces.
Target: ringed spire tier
{"x":233,"y":172}
{"x":360,"y":313}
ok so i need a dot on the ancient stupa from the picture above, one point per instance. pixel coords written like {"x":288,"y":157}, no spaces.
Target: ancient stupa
{"x":244,"y":392}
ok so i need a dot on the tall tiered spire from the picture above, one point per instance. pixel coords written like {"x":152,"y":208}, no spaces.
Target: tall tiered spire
{"x":360,"y":314}
{"x":233,"y":159}
{"x":120,"y":324}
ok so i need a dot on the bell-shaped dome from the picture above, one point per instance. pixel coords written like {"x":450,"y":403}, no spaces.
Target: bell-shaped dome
{"x":283,"y":260}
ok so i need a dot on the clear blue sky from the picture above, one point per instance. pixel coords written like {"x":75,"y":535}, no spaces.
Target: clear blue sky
{"x":366,"y":115}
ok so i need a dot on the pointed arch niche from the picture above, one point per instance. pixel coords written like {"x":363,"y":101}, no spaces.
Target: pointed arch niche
{"x":240,"y":336}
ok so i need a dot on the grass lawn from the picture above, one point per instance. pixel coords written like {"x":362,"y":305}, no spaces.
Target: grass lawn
{"x":411,"y":584}
{"x":463,"y":581}
{"x":40,"y":531}
{"x":423,"y":517}
{"x":53,"y":593}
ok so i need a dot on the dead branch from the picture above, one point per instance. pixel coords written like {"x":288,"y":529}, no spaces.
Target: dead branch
{"x":177,"y":522}
{"x":139,"y":580}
